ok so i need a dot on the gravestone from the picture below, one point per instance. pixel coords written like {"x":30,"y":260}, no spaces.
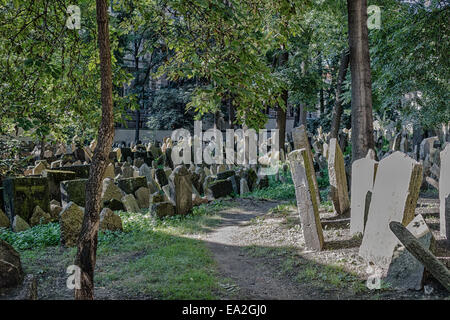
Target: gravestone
{"x":55,"y":177}
{"x":244,"y":187}
{"x":110,"y":191}
{"x":22,"y":195}
{"x":4,"y":221}
{"x":363,"y":178}
{"x":73,"y":191}
{"x":39,"y":217}
{"x":405,"y":271}
{"x":220,"y":188}
{"x":303,"y":176}
{"x":110,"y":221}
{"x":19,"y":224}
{"x":301,"y":142}
{"x":11,"y":273}
{"x":444,"y":192}
{"x":71,"y":221}
{"x":338,"y":178}
{"x":81,"y":171}
{"x":182,"y":185}
{"x":161,"y":178}
{"x":144,"y":171}
{"x":109,"y":172}
{"x":143,"y":197}
{"x":394,"y":198}
{"x":131,"y":185}
{"x":130,"y":203}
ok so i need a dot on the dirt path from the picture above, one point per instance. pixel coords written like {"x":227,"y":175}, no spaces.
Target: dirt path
{"x":255,"y":279}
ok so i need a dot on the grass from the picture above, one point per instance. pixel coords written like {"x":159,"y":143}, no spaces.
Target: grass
{"x":277,"y":190}
{"x":152,"y":258}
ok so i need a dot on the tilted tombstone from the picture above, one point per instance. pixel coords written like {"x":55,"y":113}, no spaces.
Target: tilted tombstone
{"x":338,"y":178}
{"x":406,"y":272}
{"x":302,"y":176}
{"x":363,"y":178}
{"x":444,"y":192}
{"x":300,"y":138}
{"x":394,"y":198}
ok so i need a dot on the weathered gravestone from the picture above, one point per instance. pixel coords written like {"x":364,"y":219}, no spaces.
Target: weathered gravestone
{"x":363,"y":179}
{"x":110,"y":221}
{"x":444,"y":192}
{"x":182,"y":186}
{"x":4,"y":221}
{"x":11,"y":274}
{"x":110,"y":191}
{"x":301,"y":142}
{"x":131,"y":185}
{"x":160,"y":177}
{"x":22,"y":195}
{"x":219,"y":189}
{"x":303,"y":176}
{"x":338,"y":178}
{"x":55,"y":177}
{"x":143,"y":197}
{"x":405,"y":272}
{"x":130,"y":203}
{"x":394,"y":198}
{"x":73,"y":191}
{"x":40,"y":217}
{"x":71,"y":221}
{"x":81,"y":171}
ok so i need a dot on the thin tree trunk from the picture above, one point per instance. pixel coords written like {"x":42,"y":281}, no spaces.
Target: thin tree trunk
{"x":281,"y":112}
{"x":321,"y":98}
{"x":138,"y":111}
{"x":303,"y":114}
{"x":87,"y":242}
{"x":362,"y":118}
{"x":297,"y":117}
{"x":337,"y":110}
{"x":231,"y":113}
{"x":41,"y":156}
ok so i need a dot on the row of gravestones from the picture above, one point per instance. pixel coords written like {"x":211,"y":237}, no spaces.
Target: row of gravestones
{"x":381,"y":192}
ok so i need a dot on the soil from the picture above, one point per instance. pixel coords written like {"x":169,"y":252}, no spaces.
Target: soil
{"x":250,"y":225}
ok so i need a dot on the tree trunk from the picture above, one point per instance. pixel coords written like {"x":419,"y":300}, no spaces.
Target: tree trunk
{"x":337,"y":110}
{"x":41,"y":156}
{"x":429,"y":261}
{"x":87,"y":242}
{"x":362,"y":118}
{"x":231,"y":113}
{"x":297,"y":117}
{"x":303,"y":114}
{"x":138,"y":111}
{"x":281,"y":112}
{"x":321,"y":98}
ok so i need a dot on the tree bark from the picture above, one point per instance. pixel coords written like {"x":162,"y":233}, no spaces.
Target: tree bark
{"x":362,"y":118}
{"x":281,"y":112}
{"x":87,"y":242}
{"x":430,"y":262}
{"x":303,"y":114}
{"x":321,"y":98}
{"x":337,"y":110}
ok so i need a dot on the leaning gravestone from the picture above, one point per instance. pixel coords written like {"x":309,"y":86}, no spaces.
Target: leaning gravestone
{"x":22,"y":195}
{"x":143,"y":197}
{"x":301,"y":142}
{"x":303,"y":176}
{"x":110,"y":191}
{"x":444,"y":192}
{"x":338,"y":178}
{"x":406,"y":272}
{"x":394,"y":198}
{"x":4,"y":221}
{"x":182,"y":186}
{"x":363,"y":179}
{"x":70,"y":221}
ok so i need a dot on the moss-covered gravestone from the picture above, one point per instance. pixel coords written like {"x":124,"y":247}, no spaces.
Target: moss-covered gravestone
{"x":73,"y":190}
{"x":22,"y":195}
{"x":131,"y":185}
{"x":81,"y":171}
{"x":55,"y":177}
